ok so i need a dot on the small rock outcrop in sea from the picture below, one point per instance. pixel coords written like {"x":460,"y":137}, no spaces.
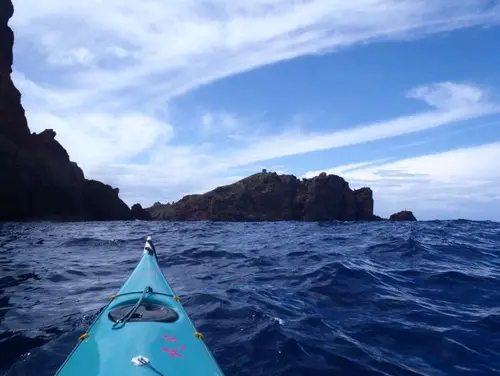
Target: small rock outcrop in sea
{"x":405,"y":215}
{"x":37,"y":178}
{"x":269,"y":196}
{"x":139,"y":213}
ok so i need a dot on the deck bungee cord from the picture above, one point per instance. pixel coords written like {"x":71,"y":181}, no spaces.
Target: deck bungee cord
{"x":123,"y":320}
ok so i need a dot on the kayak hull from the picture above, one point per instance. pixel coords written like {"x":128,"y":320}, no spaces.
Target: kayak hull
{"x":169,"y":347}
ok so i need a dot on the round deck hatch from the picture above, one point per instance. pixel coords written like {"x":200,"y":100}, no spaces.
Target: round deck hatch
{"x":145,"y":312}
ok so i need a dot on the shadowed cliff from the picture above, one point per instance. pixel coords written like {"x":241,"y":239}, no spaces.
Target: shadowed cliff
{"x":37,"y":178}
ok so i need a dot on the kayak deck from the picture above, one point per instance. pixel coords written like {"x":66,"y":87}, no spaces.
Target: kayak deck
{"x":157,"y":328}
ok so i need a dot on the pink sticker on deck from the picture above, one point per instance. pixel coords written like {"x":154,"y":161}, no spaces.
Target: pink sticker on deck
{"x":172,"y":352}
{"x":170,"y":339}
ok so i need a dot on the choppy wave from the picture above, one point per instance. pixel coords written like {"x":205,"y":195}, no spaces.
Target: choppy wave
{"x":284,"y":298}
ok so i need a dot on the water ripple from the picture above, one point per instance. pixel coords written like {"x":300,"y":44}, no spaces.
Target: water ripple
{"x":276,"y":298}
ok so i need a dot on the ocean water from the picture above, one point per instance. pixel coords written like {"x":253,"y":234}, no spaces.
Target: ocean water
{"x":278,"y":298}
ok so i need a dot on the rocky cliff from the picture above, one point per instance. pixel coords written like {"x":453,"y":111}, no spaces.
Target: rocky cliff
{"x":269,"y":196}
{"x":37,"y":178}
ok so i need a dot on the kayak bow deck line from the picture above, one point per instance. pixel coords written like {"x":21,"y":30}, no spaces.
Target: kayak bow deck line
{"x":144,"y":330}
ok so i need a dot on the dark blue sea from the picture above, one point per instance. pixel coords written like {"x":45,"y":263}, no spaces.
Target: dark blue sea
{"x":278,"y":298}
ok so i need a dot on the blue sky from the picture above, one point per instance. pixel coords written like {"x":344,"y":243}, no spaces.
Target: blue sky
{"x":166,"y":100}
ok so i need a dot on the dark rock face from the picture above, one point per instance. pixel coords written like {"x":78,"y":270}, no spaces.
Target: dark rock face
{"x":139,"y":213}
{"x":404,"y":215}
{"x":37,"y":178}
{"x":268,"y":196}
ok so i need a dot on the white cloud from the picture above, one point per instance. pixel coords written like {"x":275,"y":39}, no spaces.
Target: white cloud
{"x":98,"y":139}
{"x":93,"y":138}
{"x":118,"y":52}
{"x":78,"y":56}
{"x":219,"y":122}
{"x":37,"y":97}
{"x":438,"y":185}
{"x":448,"y":95}
{"x":207,"y":122}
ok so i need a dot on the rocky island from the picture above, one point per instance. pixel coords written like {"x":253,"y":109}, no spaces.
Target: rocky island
{"x":37,"y":178}
{"x":404,"y":215}
{"x":267,"y":196}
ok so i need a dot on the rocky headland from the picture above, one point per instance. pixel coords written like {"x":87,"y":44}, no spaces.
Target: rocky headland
{"x":267,"y":196}
{"x":37,"y":178}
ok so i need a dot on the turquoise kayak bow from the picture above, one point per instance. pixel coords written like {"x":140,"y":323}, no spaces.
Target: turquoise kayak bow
{"x":144,"y":330}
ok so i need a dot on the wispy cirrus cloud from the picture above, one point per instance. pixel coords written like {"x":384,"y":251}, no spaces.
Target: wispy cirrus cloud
{"x":220,"y":122}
